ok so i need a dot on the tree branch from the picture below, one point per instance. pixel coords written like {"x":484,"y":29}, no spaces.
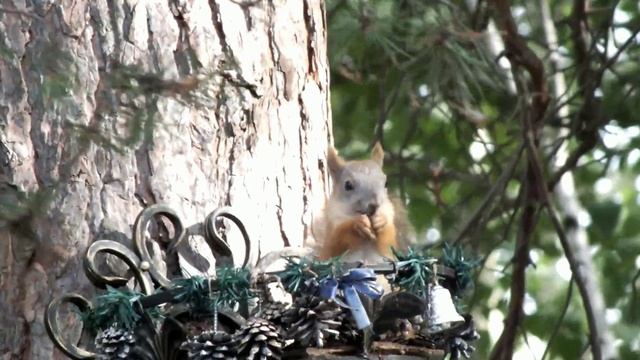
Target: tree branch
{"x":533,"y":114}
{"x":519,"y":54}
{"x":580,"y":268}
{"x":378,"y":131}
{"x":486,"y":206}
{"x":612,"y":60}
{"x":556,"y":328}
{"x":504,"y":348}
{"x":384,"y":108}
{"x":588,"y":81}
{"x":634,"y":295}
{"x":572,"y":161}
{"x":575,"y":244}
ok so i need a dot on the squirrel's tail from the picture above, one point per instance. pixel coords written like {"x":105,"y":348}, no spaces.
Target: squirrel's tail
{"x":405,"y":233}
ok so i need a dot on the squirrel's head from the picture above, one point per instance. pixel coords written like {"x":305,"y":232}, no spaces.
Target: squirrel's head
{"x":359,"y":186}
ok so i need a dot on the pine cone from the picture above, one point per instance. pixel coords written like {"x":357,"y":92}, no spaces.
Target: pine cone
{"x":311,"y":320}
{"x":349,"y":333}
{"x":259,"y":339}
{"x":114,"y":343}
{"x":406,"y":331}
{"x":460,"y":345}
{"x":210,"y":345}
{"x":412,"y":327}
{"x":272,"y":311}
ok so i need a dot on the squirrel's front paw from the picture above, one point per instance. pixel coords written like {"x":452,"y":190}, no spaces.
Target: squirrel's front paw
{"x":378,"y":221}
{"x":362,"y":226}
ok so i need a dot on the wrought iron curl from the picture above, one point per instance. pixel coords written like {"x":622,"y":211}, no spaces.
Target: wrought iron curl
{"x":51,"y":324}
{"x":216,"y":240}
{"x":135,"y":264}
{"x":139,"y":241}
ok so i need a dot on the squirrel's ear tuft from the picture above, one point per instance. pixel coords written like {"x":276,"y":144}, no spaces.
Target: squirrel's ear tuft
{"x":335,"y":162}
{"x":377,"y":154}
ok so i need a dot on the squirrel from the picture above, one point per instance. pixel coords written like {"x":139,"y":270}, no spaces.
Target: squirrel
{"x":362,"y":220}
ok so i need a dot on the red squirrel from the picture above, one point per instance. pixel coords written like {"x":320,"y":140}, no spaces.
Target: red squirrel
{"x":361,"y":219}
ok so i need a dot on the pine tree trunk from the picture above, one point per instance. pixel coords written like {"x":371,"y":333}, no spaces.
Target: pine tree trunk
{"x":233,"y":109}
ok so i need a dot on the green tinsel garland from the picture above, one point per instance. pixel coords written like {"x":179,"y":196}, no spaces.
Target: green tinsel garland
{"x":414,"y":271}
{"x":299,"y":270}
{"x":234,"y":285}
{"x":122,"y":308}
{"x":195,"y":292}
{"x":114,"y":307}
{"x":453,"y":256}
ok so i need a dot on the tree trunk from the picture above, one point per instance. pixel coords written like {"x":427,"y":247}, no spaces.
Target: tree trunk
{"x":107,"y":107}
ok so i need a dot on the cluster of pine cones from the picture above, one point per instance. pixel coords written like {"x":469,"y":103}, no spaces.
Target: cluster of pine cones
{"x":309,"y":322}
{"x":259,"y":339}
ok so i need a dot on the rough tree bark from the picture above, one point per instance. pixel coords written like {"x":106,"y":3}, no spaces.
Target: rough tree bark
{"x":255,"y":140}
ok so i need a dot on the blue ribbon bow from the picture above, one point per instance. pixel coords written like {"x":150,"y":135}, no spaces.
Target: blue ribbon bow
{"x":356,"y":281}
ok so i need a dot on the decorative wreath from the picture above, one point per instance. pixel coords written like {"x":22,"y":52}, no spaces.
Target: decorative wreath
{"x":309,"y":309}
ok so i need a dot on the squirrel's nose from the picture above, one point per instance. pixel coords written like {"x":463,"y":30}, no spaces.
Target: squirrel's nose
{"x":371,"y":209}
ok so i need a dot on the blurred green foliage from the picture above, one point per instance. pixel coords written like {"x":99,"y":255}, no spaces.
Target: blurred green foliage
{"x":423,"y":78}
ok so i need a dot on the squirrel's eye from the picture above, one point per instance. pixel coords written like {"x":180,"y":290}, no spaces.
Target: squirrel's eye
{"x":348,"y":185}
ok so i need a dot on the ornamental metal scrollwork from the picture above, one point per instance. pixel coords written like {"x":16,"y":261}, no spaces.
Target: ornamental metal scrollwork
{"x":216,"y":241}
{"x":139,"y":240}
{"x":51,"y":324}
{"x":134,"y":263}
{"x":151,"y":343}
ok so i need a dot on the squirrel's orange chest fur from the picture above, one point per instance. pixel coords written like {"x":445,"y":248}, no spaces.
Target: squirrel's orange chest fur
{"x":346,"y":237}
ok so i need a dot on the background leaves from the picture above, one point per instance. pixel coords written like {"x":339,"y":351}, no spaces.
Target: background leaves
{"x":423,"y":78}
